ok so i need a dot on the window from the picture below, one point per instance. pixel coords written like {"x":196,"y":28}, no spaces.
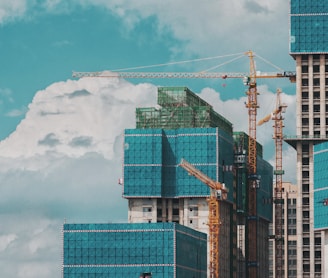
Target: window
{"x":316,"y":57}
{"x":305,"y":161}
{"x":305,"y":95}
{"x":306,"y":201}
{"x":316,"y":108}
{"x":305,"y":69}
{"x":317,"y":267}
{"x":292,"y":232}
{"x":316,"y":82}
{"x":306,"y":228}
{"x":292,"y":221}
{"x":305,"y":174}
{"x":292,"y":252}
{"x":305,"y":108}
{"x":316,"y":95}
{"x":306,"y":241}
{"x":316,"y":68}
{"x":292,"y":243}
{"x":305,"y":82}
{"x":305,"y":148}
{"x":317,"y":241}
{"x":305,"y":121}
{"x":305,"y":188}
{"x":316,"y":121}
{"x":175,"y":211}
{"x":306,"y":254}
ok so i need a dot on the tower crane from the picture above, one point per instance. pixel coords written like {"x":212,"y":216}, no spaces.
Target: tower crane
{"x":218,"y":192}
{"x":250,"y":80}
{"x":277,"y":117}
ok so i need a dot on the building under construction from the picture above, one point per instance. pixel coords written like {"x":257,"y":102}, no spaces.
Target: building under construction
{"x":182,"y":126}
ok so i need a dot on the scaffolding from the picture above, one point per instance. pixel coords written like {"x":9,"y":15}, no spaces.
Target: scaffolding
{"x":178,"y":107}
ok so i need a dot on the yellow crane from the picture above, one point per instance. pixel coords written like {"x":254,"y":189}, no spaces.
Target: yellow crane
{"x":218,"y":192}
{"x":250,"y":80}
{"x":277,"y":117}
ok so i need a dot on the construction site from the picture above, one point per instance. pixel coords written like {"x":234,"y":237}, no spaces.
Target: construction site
{"x":202,"y":200}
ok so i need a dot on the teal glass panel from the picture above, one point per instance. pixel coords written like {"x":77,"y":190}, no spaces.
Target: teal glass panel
{"x":320,"y":200}
{"x":309,"y":26}
{"x":126,"y":250}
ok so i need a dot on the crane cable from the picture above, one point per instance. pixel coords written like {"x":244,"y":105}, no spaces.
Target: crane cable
{"x":179,"y":62}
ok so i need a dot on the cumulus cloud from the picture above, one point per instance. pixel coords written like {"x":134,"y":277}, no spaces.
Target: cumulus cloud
{"x":63,"y":162}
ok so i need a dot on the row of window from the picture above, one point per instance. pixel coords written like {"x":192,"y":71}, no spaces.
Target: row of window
{"x":316,"y":121}
{"x":315,"y":68}
{"x":316,"y":108}
{"x":316,"y":82}
{"x":316,"y":57}
{"x":316,"y":94}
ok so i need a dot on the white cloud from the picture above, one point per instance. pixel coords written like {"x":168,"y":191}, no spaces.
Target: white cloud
{"x":74,"y":116}
{"x":10,"y":9}
{"x":5,"y":240}
{"x":16,"y":112}
{"x":230,"y":26}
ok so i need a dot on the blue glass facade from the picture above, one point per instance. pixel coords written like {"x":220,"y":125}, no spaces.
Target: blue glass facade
{"x":264,"y":171}
{"x":320,"y":186}
{"x":265,"y":191}
{"x":167,"y":250}
{"x":308,"y":26}
{"x":151,"y":158}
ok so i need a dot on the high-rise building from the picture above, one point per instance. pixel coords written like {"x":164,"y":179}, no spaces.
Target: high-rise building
{"x":289,"y":258}
{"x":309,"y":48}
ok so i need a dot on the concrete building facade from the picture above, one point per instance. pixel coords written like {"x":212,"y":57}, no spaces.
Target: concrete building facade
{"x":309,"y":48}
{"x":289,"y":197}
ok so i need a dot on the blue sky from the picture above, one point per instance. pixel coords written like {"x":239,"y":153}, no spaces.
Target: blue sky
{"x":47,"y":47}
{"x":49,"y":39}
{"x":61,"y":138}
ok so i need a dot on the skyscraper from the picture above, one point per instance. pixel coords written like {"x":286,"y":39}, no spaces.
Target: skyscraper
{"x":309,"y":48}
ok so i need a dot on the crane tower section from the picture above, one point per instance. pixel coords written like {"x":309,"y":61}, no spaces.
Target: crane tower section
{"x":218,"y":192}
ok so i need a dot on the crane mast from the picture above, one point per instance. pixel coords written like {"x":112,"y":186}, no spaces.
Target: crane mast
{"x":218,"y":192}
{"x":277,"y":117}
{"x":251,"y":228}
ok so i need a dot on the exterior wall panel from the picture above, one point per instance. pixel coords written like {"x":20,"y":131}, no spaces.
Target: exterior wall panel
{"x":125,"y":250}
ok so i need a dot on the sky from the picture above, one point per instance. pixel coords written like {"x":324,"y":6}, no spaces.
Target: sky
{"x":61,"y":137}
